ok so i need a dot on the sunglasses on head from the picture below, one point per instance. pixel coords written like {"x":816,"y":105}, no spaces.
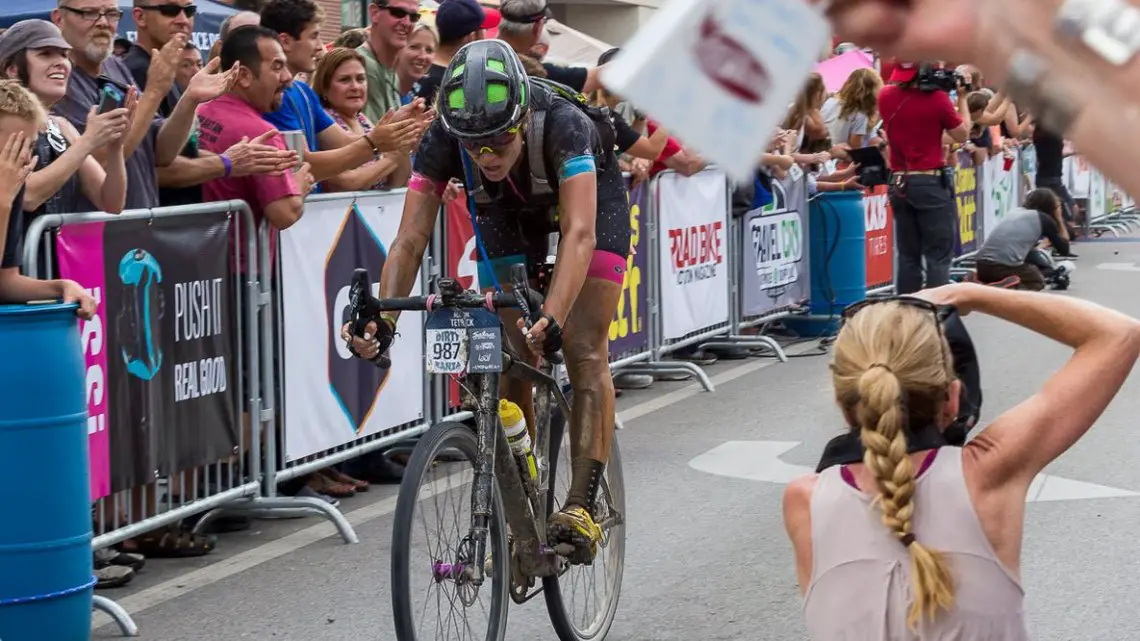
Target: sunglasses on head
{"x":935,"y":311}
{"x":171,"y":10}
{"x":400,"y":13}
{"x":495,"y":144}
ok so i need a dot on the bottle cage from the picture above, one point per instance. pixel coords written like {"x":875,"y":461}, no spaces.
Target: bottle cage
{"x":143,"y":306}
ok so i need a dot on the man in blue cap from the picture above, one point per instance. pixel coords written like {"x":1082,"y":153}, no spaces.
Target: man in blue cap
{"x":458,"y":22}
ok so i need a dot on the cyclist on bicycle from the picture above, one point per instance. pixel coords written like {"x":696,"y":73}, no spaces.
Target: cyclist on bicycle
{"x":492,"y":114}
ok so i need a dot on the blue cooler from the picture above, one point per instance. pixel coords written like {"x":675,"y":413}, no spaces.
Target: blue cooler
{"x":46,"y":575}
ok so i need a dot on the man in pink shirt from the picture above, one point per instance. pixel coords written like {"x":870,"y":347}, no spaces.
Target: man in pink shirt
{"x":235,"y":116}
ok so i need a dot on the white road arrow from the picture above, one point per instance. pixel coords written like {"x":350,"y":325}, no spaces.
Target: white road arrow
{"x":760,"y":461}
{"x":1119,"y":267}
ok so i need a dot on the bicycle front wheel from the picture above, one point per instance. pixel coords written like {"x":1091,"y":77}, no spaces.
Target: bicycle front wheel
{"x":435,"y":498}
{"x":583,"y":600}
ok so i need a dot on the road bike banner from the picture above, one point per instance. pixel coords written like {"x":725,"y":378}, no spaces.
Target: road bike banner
{"x":628,"y":333}
{"x":462,"y":253}
{"x":774,"y":258}
{"x":1000,"y":189}
{"x":879,"y":229}
{"x":692,"y":216}
{"x":332,"y":398}
{"x":966,"y":201}
{"x":161,"y":377}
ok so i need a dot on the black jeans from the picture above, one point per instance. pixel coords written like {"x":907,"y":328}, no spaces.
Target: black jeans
{"x":925,"y":228}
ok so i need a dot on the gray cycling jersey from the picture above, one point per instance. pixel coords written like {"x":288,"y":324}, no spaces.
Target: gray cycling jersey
{"x":1012,"y":239}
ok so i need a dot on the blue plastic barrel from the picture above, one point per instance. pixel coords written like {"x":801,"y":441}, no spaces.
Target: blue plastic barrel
{"x":46,"y":578}
{"x":838,"y":252}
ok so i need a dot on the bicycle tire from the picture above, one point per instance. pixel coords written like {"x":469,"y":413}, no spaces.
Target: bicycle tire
{"x":457,"y":436}
{"x":560,"y":618}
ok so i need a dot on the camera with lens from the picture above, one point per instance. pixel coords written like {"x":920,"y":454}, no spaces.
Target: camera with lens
{"x":933,"y":79}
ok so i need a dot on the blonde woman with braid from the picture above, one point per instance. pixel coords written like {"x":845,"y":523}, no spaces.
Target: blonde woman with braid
{"x":920,"y":541}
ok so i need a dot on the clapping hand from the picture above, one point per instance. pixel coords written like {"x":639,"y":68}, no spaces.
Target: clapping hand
{"x":207,"y":84}
{"x":254,"y":157}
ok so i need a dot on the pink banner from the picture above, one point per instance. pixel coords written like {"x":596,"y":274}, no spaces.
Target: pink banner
{"x":836,"y":70}
{"x":80,"y":252}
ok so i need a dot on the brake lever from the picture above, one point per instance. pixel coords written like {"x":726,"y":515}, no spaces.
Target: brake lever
{"x":363,"y":309}
{"x":524,"y":297}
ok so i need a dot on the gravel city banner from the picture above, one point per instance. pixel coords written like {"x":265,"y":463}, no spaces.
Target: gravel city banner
{"x":628,"y":333}
{"x":162,"y":392}
{"x":774,"y":251}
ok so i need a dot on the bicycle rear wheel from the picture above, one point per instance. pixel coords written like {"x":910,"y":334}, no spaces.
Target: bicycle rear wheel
{"x":439,"y":572}
{"x":582,"y":600}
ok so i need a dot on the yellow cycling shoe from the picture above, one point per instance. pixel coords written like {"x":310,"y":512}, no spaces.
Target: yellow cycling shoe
{"x":575,"y":526}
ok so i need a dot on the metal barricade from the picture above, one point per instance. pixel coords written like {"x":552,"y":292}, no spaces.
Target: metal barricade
{"x":173,"y":480}
{"x":339,"y":229}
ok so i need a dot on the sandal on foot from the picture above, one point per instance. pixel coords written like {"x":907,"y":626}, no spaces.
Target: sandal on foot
{"x":110,"y":556}
{"x":325,"y":485}
{"x":173,"y":543}
{"x":341,"y":477}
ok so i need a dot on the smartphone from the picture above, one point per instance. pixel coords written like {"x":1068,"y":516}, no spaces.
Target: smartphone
{"x":110,"y":98}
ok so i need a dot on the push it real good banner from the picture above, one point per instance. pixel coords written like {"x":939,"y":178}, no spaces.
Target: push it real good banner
{"x":693,"y":224}
{"x":332,"y":398}
{"x":774,"y":258}
{"x":161,"y":379}
{"x":628,"y":333}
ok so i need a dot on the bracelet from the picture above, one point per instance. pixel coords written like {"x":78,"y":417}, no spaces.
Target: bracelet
{"x":1055,"y":108}
{"x":229,"y":166}
{"x":371,"y":143}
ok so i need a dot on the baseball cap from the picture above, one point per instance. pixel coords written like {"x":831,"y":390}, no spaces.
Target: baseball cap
{"x":457,"y":18}
{"x":904,"y":72}
{"x":30,"y":34}
{"x":494,"y":18}
{"x":511,"y":11}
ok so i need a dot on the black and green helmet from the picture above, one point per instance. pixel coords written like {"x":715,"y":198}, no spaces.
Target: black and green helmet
{"x":484,"y":92}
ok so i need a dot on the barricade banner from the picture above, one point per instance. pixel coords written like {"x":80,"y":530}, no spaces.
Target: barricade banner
{"x":462,"y":253}
{"x":332,"y":398}
{"x":1000,"y":189}
{"x":1077,"y":174}
{"x":879,"y":226}
{"x":160,"y":353}
{"x":692,"y":215}
{"x":966,"y":199}
{"x":1098,"y":197}
{"x":774,"y":263}
{"x":628,"y":333}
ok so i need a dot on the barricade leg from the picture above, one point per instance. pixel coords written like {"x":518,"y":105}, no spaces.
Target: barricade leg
{"x":126,"y":624}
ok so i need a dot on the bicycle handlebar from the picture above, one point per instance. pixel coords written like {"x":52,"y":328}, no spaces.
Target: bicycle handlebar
{"x":365,"y":308}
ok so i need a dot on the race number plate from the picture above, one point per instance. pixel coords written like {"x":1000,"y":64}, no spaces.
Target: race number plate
{"x":459,"y":341}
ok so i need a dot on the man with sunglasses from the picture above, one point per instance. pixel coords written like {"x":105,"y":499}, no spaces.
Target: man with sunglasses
{"x":391,"y":24}
{"x":489,"y":119}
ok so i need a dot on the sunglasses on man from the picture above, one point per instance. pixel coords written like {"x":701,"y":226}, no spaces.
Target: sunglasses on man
{"x":399,"y":13}
{"x":171,"y":10}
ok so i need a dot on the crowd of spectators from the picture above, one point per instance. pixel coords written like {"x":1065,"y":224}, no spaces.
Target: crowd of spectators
{"x":189,"y":132}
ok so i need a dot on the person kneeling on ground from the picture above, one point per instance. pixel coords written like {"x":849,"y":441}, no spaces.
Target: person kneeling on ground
{"x":1008,"y":246}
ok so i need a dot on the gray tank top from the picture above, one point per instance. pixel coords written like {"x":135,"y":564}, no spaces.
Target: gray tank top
{"x":1010,"y":241}
{"x":860,"y":581}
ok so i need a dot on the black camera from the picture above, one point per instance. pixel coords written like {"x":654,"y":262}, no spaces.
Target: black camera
{"x":932,"y":79}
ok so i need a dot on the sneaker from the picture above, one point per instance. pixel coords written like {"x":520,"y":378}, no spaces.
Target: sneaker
{"x":113,"y":576}
{"x":575,"y":526}
{"x":632,"y":381}
{"x":109,"y":556}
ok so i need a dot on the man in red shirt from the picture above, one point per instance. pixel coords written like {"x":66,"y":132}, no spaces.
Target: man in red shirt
{"x":922,"y":197}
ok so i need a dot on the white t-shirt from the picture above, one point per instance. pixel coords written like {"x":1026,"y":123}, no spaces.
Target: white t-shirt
{"x":841,"y":129}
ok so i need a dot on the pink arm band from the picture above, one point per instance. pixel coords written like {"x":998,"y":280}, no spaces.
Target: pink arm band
{"x":425,"y":185}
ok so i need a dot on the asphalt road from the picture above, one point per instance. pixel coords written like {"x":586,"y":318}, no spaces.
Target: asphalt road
{"x":706,"y":553}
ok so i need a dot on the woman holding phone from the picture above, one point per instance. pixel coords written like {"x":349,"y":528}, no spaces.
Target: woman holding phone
{"x":35,"y":53}
{"x":925,"y":542}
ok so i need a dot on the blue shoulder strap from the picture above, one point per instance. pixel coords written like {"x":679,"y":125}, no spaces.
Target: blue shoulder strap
{"x":469,"y":180}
